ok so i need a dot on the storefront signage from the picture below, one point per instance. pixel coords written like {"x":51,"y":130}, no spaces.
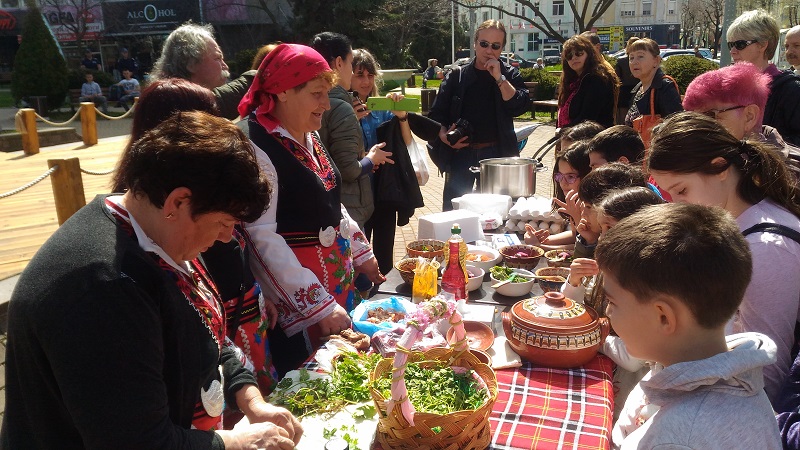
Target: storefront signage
{"x":67,"y":20}
{"x":638,"y":28}
{"x":7,"y":21}
{"x":146,"y":17}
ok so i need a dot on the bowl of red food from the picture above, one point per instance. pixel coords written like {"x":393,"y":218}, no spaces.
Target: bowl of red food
{"x":521,"y":256}
{"x":559,"y":258}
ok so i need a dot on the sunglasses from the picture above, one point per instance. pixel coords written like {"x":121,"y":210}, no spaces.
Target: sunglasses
{"x":713,"y":113}
{"x":570,"y":178}
{"x":741,"y":44}
{"x":577,"y":54}
{"x":495,"y":45}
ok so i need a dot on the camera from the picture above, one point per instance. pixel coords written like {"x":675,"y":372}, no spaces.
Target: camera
{"x":463,"y":128}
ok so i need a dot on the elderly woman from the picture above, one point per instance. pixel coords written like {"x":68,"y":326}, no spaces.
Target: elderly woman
{"x":753,"y":37}
{"x":306,"y":247}
{"x":116,"y":334}
{"x":588,"y":87}
{"x":248,"y":315}
{"x":654,"y":87}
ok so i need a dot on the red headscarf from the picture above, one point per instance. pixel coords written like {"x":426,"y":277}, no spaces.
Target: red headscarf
{"x":285,"y":67}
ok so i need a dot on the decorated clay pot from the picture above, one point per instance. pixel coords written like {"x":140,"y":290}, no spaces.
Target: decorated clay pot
{"x":554,"y":331}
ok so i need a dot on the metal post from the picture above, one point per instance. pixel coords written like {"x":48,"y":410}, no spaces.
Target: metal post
{"x":89,"y":123}
{"x":67,"y":187}
{"x":728,"y":17}
{"x":453,"y":31}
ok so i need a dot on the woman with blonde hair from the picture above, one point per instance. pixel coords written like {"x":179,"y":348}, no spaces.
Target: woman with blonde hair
{"x":588,"y":88}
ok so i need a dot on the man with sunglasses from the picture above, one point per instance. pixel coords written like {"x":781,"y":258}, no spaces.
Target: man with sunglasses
{"x":753,"y":37}
{"x":487,"y":94}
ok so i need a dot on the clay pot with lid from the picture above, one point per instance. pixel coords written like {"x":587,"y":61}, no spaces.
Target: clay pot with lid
{"x":554,"y":331}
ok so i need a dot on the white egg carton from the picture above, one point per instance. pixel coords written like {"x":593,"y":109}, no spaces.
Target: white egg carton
{"x":535,"y":211}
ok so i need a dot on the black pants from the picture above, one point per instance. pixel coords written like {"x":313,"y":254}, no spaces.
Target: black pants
{"x":380,"y":231}
{"x":460,"y":180}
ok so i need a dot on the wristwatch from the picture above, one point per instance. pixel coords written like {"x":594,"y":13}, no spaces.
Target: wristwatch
{"x":501,"y":79}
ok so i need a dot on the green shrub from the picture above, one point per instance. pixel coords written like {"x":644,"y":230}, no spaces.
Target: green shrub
{"x":242,"y":61}
{"x":546,"y":89}
{"x":77,"y":78}
{"x":611,"y":60}
{"x":685,"y":68}
{"x":39,"y":68}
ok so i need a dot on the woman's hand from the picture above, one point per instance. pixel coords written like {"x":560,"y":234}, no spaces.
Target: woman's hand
{"x":379,"y":156}
{"x":580,"y":268}
{"x":360,"y":108}
{"x":256,"y":436}
{"x":571,"y":207}
{"x":259,"y":411}
{"x":336,"y":321}
{"x":396,"y":98}
{"x":534,"y":236}
{"x":371,"y":270}
{"x":271,"y":313}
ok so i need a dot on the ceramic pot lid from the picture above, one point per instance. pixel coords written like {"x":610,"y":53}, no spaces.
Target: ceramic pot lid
{"x":552,"y":311}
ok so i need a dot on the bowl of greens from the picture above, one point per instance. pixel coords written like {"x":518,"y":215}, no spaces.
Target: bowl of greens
{"x":515,"y":282}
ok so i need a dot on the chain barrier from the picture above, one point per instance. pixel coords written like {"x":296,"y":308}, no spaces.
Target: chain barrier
{"x":91,"y":172}
{"x":106,"y":116}
{"x":58,"y":124}
{"x":31,"y":184}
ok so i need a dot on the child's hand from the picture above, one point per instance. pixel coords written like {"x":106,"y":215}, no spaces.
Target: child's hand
{"x":581,"y":267}
{"x":588,"y":235}
{"x":534,"y":236}
{"x":572,"y":205}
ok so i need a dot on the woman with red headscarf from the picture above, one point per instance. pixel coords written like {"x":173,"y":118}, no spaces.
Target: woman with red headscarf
{"x":306,"y":247}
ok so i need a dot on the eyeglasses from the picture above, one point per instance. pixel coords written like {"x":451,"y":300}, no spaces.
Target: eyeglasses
{"x":740,"y":44}
{"x":495,"y":45}
{"x":713,"y":113}
{"x":577,"y":54}
{"x":569,"y":178}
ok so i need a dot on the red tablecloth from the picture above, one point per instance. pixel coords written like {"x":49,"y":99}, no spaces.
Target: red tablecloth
{"x":542,"y":408}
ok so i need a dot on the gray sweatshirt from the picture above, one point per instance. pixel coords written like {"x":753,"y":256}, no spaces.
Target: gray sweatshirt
{"x":712,"y":403}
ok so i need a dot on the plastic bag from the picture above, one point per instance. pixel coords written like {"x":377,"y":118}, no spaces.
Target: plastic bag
{"x":359,"y":315}
{"x":419,"y":162}
{"x":426,"y":274}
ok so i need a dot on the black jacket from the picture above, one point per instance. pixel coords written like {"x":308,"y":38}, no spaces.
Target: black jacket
{"x":594,"y":101}
{"x":446,"y":111}
{"x":667,"y":99}
{"x":396,"y":184}
{"x":782,"y":111}
{"x":627,"y":82}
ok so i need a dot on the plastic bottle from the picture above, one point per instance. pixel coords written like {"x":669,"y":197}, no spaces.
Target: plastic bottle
{"x":454,"y":278}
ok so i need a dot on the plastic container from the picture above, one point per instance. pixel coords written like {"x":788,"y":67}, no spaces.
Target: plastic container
{"x":454,"y":277}
{"x":437,"y":226}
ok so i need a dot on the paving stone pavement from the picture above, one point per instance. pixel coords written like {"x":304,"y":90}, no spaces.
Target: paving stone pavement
{"x":432,"y":195}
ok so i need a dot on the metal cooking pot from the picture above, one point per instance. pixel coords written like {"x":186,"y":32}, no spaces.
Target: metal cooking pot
{"x":515,"y":176}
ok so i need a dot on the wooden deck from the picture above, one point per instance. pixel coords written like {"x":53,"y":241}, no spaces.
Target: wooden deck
{"x":28,"y":218}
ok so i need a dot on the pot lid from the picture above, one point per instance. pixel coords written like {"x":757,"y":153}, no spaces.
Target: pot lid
{"x":553,"y":311}
{"x":511,"y":161}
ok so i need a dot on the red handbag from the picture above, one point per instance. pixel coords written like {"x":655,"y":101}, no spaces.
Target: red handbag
{"x":644,"y":124}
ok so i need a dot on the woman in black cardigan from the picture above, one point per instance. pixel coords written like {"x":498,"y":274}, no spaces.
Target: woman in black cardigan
{"x":589,"y":86}
{"x":645,"y":62}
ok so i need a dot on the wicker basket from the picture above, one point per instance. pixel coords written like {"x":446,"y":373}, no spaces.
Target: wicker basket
{"x":553,"y":261}
{"x":527,"y":263}
{"x":414,"y":248}
{"x":460,"y":430}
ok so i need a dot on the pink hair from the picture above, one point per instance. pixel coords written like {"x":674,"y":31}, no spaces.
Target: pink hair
{"x":740,"y":84}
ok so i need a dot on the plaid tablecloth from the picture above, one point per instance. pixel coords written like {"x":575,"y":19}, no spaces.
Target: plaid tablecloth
{"x":542,"y":408}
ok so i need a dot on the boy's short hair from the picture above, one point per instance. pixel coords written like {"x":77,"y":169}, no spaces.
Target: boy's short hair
{"x":602,"y":180}
{"x":695,"y":254}
{"x":618,"y":141}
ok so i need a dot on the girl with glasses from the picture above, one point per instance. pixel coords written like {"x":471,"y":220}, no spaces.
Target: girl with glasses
{"x":645,"y":64}
{"x":753,"y":37}
{"x":589,"y":86}
{"x":697,"y":161}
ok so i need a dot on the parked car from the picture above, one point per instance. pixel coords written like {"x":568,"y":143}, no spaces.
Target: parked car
{"x":551,"y":56}
{"x":510,"y":61}
{"x":686,"y":51}
{"x":458,"y":62}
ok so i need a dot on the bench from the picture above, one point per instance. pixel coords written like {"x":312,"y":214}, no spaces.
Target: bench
{"x":551,"y":105}
{"x":75,"y":95}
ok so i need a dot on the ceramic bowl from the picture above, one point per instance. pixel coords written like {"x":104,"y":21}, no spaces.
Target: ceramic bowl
{"x":427,"y":248}
{"x":554,"y":261}
{"x":479,"y":335}
{"x":552,"y":285}
{"x":475,"y":277}
{"x":482,"y":356}
{"x":489,"y":257}
{"x":515,"y":289}
{"x":512,"y":259}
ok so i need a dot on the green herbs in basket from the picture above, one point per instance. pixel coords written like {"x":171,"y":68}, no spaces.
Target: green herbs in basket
{"x":501,"y":273}
{"x":347,"y":385}
{"x":434,"y":387}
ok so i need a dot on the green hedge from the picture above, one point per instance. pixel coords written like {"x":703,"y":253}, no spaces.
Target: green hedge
{"x":685,"y":68}
{"x":546,"y":89}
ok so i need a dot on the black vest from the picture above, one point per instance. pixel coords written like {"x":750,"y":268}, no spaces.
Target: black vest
{"x":305,"y":204}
